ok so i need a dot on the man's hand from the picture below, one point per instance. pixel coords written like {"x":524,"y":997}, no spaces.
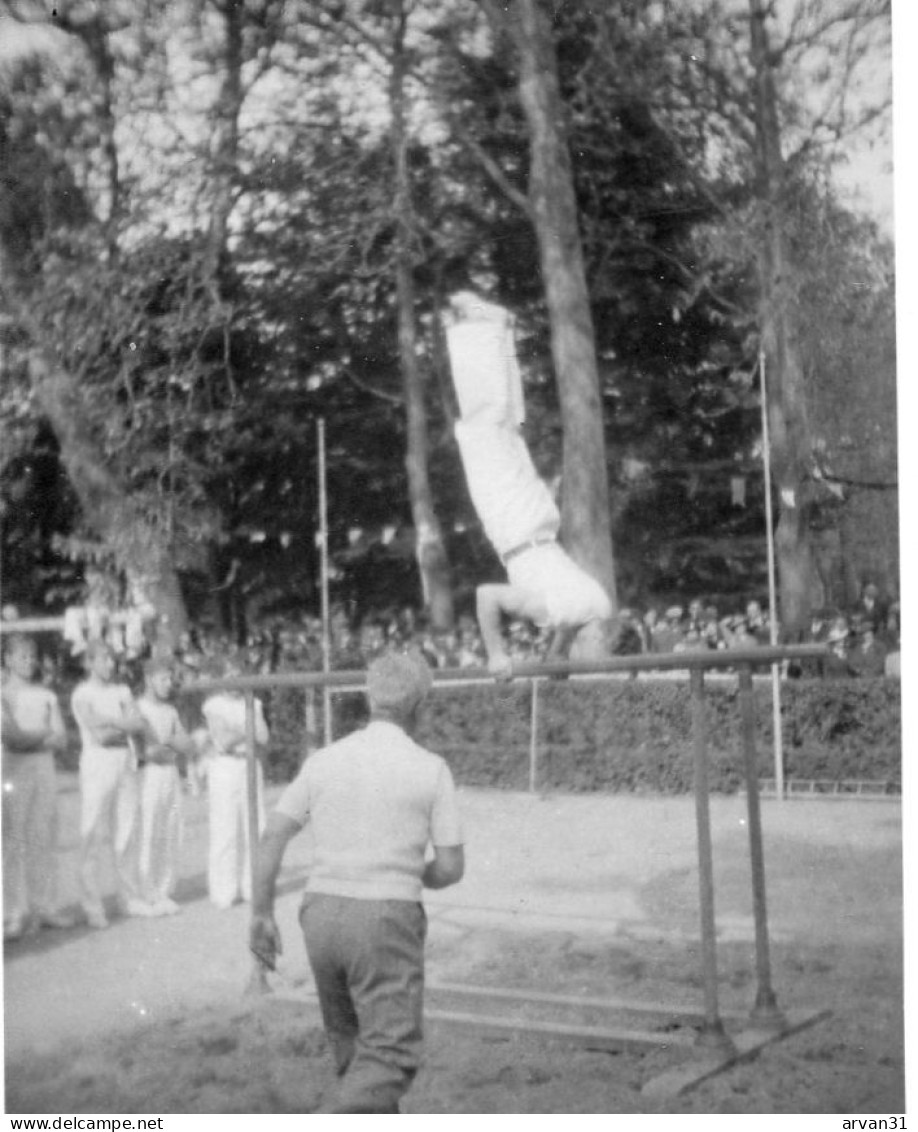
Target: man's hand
{"x":500,"y":666}
{"x":265,"y":940}
{"x":159,"y":754}
{"x":57,"y":740}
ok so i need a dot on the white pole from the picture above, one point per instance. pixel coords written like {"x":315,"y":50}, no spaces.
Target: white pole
{"x":533,"y":736}
{"x":772,"y":589}
{"x":323,"y":560}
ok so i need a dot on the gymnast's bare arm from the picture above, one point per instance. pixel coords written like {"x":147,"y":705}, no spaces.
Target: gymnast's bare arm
{"x":494,"y":600}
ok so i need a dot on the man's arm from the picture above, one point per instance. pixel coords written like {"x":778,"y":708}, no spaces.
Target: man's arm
{"x":21,"y":740}
{"x":446,"y":868}
{"x":561,"y":640}
{"x":109,"y":729}
{"x":57,"y":738}
{"x":495,"y":599}
{"x":264,"y":937}
{"x":261,"y":728}
{"x":184,"y":746}
{"x":175,"y":746}
{"x":131,"y":722}
{"x":179,"y":739}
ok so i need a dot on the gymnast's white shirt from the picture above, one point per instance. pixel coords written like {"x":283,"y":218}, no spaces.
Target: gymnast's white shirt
{"x":375,"y":800}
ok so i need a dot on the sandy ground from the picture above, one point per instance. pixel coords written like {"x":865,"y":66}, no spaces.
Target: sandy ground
{"x":584,"y":896}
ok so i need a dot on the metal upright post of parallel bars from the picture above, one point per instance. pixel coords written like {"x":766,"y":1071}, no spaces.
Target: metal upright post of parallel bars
{"x":765,"y":1009}
{"x":712,"y":1033}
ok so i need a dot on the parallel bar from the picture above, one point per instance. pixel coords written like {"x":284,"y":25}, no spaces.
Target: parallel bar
{"x":602,"y":1036}
{"x":548,"y":998}
{"x":672,"y":1082}
{"x":679,"y":662}
{"x":766,"y":1005}
{"x":713,"y":1032}
{"x":594,"y":1036}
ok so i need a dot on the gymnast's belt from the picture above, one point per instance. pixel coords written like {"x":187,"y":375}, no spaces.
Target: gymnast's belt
{"x":524,"y":546}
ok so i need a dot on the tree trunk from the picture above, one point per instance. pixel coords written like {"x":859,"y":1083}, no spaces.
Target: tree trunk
{"x":137,"y":547}
{"x":585,"y":490}
{"x":225,"y":145}
{"x":787,"y":411}
{"x":433,"y":562}
{"x":107,"y":508}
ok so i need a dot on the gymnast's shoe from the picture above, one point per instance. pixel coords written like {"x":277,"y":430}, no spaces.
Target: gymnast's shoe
{"x":166,"y":907}
{"x":134,"y":907}
{"x":96,"y":919}
{"x":55,"y":920}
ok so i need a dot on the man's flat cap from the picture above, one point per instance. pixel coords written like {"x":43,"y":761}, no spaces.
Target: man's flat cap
{"x":398,"y":681}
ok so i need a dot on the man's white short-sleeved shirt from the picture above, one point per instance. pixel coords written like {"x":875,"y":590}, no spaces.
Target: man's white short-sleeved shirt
{"x":375,"y":801}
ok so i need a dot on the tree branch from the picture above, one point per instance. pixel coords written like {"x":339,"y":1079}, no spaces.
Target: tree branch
{"x":391,"y":398}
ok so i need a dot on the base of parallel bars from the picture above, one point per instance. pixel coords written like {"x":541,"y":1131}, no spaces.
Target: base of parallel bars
{"x":713,"y":1036}
{"x":702,"y":1060}
{"x":766,"y":1013}
{"x":746,"y":1044}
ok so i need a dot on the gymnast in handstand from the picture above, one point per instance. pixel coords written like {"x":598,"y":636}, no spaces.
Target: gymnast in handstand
{"x":515,"y":506}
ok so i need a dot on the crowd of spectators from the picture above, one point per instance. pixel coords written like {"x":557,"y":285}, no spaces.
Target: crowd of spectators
{"x":862,"y":641}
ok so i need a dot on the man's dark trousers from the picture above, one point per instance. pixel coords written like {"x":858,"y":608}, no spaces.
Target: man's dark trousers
{"x":367,"y":957}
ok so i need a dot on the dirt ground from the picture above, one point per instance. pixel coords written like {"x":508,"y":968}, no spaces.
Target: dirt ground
{"x":594,"y":897}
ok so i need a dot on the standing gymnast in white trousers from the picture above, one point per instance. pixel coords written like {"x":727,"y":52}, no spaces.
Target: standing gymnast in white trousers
{"x":229,"y":876}
{"x":167,"y":745}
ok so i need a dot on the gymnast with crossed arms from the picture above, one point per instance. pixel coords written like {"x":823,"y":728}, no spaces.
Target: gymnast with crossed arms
{"x":515,"y":506}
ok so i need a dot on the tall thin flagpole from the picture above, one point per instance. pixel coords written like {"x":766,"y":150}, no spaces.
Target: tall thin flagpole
{"x":323,"y":561}
{"x":772,"y":588}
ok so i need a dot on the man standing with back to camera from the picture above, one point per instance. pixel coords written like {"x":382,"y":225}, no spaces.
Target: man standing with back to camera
{"x":386,"y":824}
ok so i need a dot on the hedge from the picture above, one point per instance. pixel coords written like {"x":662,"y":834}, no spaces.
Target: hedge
{"x":630,"y":735}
